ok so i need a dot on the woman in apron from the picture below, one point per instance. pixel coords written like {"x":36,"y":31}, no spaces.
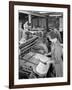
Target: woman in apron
{"x":56,"y":52}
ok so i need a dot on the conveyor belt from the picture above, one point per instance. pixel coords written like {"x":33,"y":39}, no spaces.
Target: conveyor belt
{"x":27,"y":60}
{"x":28,"y":42}
{"x":26,"y":47}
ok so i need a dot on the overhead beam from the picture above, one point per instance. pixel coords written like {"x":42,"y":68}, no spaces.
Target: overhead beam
{"x":45,"y":15}
{"x":54,"y":15}
{"x":32,"y":13}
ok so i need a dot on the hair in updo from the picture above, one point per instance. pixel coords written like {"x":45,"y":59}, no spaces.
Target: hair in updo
{"x":55,"y":34}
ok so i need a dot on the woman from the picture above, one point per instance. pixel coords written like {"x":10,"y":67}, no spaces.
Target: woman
{"x":24,"y":36}
{"x":56,"y":52}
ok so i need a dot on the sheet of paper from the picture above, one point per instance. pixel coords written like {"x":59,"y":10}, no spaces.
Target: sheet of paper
{"x":41,"y":57}
{"x":27,"y":56}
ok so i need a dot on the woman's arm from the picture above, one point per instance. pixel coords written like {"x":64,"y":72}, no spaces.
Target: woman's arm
{"x":47,"y":54}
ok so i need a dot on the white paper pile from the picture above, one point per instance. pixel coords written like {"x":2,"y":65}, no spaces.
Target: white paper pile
{"x":42,"y":68}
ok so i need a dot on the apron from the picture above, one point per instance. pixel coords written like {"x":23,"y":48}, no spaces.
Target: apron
{"x":56,"y":50}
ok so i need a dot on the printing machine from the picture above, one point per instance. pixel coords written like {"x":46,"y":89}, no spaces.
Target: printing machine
{"x":32,"y":64}
{"x":26,"y":66}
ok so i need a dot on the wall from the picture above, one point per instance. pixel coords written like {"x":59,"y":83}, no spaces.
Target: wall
{"x":41,"y":22}
{"x":4,"y":45}
{"x":53,"y":22}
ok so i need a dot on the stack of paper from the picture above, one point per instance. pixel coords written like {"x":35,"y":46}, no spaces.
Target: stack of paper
{"x":42,"y":68}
